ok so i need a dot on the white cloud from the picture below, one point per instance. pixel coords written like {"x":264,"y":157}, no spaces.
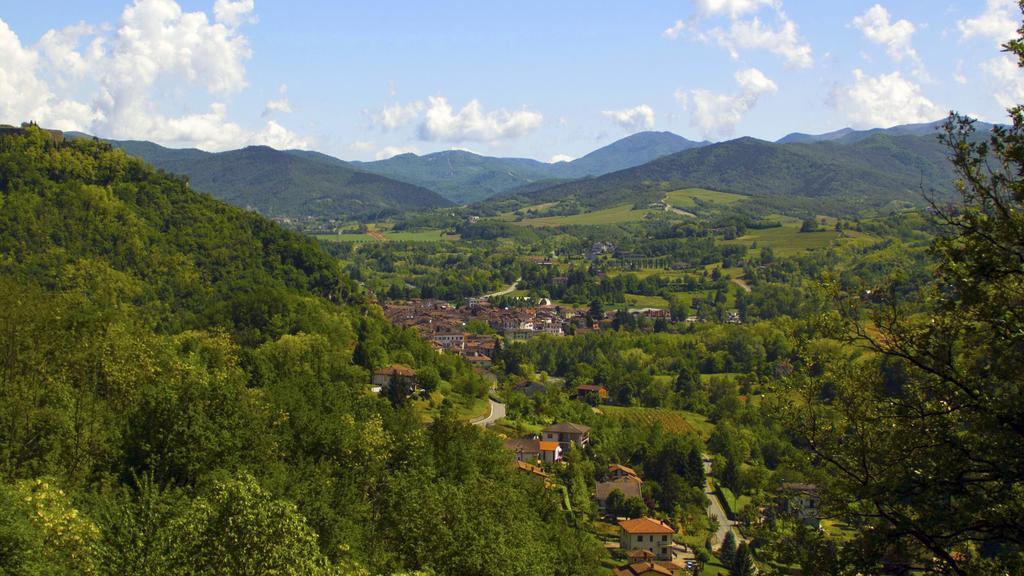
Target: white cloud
{"x":561,"y":158}
{"x":884,"y":100}
{"x":718,"y":114}
{"x":280,"y":105}
{"x":734,"y":8}
{"x":25,"y":96}
{"x":754,"y":35}
{"x":234,"y":12}
{"x":397,"y":115}
{"x":632,"y":119}
{"x":390,"y":151}
{"x":1004,"y":72}
{"x":119,"y":81}
{"x":958,"y":73}
{"x":472,"y":123}
{"x":896,"y":36}
{"x":277,"y":136}
{"x":674,"y":30}
{"x":998,"y":22}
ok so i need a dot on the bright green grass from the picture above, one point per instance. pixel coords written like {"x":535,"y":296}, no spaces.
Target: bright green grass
{"x":615,"y":215}
{"x":687,"y":198}
{"x":677,"y":421}
{"x":786,"y":240}
{"x":641,"y":301}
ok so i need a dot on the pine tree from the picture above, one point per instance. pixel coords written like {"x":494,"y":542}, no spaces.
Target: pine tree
{"x":743,"y":562}
{"x":727,"y":553}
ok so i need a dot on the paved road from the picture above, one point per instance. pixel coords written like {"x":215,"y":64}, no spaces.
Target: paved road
{"x":497,"y":413}
{"x":716,"y":510}
{"x":509,"y":290}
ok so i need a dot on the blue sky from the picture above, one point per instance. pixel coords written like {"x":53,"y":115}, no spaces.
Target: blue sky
{"x":535,"y":79}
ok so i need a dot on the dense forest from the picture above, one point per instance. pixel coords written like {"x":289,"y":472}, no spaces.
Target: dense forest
{"x":184,"y":390}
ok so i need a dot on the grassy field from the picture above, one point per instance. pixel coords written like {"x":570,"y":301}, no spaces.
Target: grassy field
{"x":786,"y":240}
{"x":615,"y":215}
{"x":688,"y":197}
{"x":671,"y":420}
{"x":431,"y":235}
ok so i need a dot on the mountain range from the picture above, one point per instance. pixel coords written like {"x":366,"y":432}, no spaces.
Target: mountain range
{"x":288,"y":183}
{"x":466,"y":177}
{"x":862,"y":167}
{"x":868,"y":168}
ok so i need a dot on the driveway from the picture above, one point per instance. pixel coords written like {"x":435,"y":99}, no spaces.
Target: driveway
{"x":717,"y":511}
{"x":509,"y":290}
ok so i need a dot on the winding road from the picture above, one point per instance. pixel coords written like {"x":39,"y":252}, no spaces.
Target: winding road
{"x":497,"y":413}
{"x":509,"y":290}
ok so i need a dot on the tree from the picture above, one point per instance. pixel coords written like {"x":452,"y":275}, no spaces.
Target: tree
{"x":727,"y":553}
{"x":743,"y":562}
{"x":809,"y":225}
{"x":934,"y":463}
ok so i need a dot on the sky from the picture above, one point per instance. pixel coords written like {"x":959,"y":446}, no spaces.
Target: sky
{"x":544,"y":80}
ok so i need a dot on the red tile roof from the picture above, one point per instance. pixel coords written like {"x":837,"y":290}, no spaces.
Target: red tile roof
{"x":645,"y":526}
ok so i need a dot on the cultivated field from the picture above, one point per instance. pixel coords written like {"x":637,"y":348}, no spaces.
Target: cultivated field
{"x":676,"y":421}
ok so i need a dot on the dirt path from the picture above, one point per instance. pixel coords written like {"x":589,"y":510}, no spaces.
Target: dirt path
{"x":376,"y":235}
{"x":739,"y":282}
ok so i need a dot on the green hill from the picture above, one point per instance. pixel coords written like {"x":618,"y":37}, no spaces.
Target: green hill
{"x":279,"y":183}
{"x":465,"y":177}
{"x":184,"y":390}
{"x":870,"y":172}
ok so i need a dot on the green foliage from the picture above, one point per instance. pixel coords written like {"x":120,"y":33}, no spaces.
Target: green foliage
{"x":295,"y":183}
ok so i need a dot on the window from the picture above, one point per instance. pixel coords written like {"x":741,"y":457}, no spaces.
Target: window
{"x":664,"y":538}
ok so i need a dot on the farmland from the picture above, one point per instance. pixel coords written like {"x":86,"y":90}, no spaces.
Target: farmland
{"x":672,"y":421}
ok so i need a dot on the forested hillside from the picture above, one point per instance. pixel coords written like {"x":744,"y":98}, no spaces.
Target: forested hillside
{"x":278,"y":183}
{"x":870,"y":172}
{"x":184,"y":391}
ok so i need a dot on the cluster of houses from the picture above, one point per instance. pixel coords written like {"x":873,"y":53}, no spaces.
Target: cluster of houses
{"x":444,"y":325}
{"x":646,"y":542}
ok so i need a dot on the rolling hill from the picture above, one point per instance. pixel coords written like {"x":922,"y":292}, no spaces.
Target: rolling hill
{"x":868,"y":172}
{"x":465,"y":177}
{"x":287,"y":183}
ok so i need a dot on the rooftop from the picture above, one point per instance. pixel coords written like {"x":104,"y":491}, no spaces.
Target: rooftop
{"x":645,"y":526}
{"x":568,"y":428}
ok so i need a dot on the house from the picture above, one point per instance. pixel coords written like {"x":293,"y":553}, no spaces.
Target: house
{"x":395,"y":381}
{"x":566,"y":433}
{"x":530,"y":389}
{"x":618,"y":472}
{"x":450,"y":340}
{"x":650,"y":569}
{"x":630,"y":487}
{"x":799,"y":501}
{"x":647,"y":534}
{"x":534,"y":450}
{"x":585,"y":391}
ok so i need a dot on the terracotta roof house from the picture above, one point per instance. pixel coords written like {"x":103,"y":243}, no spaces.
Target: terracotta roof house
{"x":566,"y":433}
{"x":533,"y":450}
{"x":583,"y":391}
{"x":395,"y":381}
{"x":647,"y":534}
{"x":650,"y":569}
{"x":617,"y":471}
{"x":629,"y":486}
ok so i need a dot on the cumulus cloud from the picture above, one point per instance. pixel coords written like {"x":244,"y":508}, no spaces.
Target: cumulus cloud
{"x":561,"y":158}
{"x":234,"y":12}
{"x":1008,"y":78}
{"x":632,"y":119}
{"x":280,"y":105}
{"x":113,"y":80}
{"x":717,"y":114}
{"x":734,"y":8}
{"x":884,"y":100}
{"x":472,"y":123}
{"x":877,"y":26}
{"x":998,"y":22}
{"x":391,"y":151}
{"x":753,"y":35}
{"x":673,"y":31}
{"x":397,"y":115}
